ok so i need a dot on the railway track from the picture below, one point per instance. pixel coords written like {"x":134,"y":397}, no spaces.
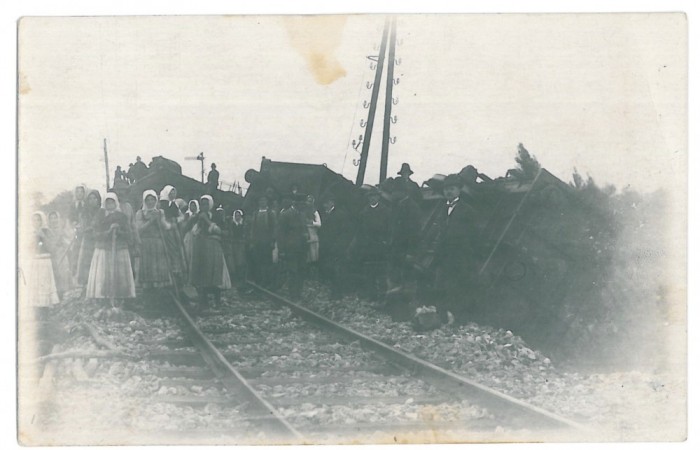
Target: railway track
{"x":315,"y":378}
{"x":274,"y":371}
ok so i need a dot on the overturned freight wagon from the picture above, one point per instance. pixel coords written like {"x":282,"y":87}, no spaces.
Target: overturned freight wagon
{"x":277,"y":178}
{"x":537,"y":252}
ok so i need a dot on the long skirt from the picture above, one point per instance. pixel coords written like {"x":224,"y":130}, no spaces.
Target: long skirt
{"x":173,"y":246}
{"x":187,"y":244}
{"x":100,"y":283}
{"x":41,"y":285}
{"x":62,"y":273}
{"x":312,"y":252}
{"x":154,"y":271}
{"x":208,"y":265}
{"x":87,"y":250}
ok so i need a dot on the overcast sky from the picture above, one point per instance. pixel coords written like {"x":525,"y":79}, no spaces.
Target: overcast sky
{"x":603,"y":93}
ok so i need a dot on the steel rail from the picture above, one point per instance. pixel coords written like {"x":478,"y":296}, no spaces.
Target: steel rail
{"x":454,"y":383}
{"x":233,"y":380}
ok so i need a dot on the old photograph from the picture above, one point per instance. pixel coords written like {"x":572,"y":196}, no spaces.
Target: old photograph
{"x":352,"y":229}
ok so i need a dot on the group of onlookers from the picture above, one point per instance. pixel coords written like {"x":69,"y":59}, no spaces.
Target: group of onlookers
{"x":108,"y":249}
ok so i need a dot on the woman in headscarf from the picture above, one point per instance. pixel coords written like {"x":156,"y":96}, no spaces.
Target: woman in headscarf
{"x":154,"y":271}
{"x":192,"y":210}
{"x":60,"y":240}
{"x":135,"y":245}
{"x":41,"y":284}
{"x":208,"y":271}
{"x":111,"y":276}
{"x":91,"y":215}
{"x":313,"y":223}
{"x":173,"y":239}
{"x":234,"y":247}
{"x":219,"y":215}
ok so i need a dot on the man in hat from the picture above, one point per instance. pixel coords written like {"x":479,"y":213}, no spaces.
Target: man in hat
{"x":456,"y":266}
{"x":404,"y":178}
{"x":334,"y":239}
{"x":372,"y":240}
{"x":291,"y":239}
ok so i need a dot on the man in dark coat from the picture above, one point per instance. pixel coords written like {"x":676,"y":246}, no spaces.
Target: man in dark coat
{"x":291,"y":239}
{"x":372,"y":244}
{"x":261,"y":241}
{"x":405,"y":232}
{"x":213,"y":179}
{"x":456,"y":265}
{"x":334,"y":238}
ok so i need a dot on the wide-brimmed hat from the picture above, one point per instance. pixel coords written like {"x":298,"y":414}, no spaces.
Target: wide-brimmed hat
{"x":405,"y":168}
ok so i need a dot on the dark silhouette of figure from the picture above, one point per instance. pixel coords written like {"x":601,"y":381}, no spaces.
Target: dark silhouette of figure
{"x":456,"y":265}
{"x":213,"y":179}
{"x":139,"y":169}
{"x":334,"y":239}
{"x":372,"y":244}
{"x":291,"y":238}
{"x":404,"y":179}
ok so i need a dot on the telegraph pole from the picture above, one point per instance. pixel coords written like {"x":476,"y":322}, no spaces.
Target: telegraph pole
{"x":372,"y":107}
{"x":388,"y":102}
{"x":200,"y":157}
{"x":104,"y":147}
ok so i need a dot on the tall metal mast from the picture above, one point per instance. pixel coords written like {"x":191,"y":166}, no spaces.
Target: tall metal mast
{"x":372,"y":107}
{"x":388,"y":102}
{"x":104,"y":148}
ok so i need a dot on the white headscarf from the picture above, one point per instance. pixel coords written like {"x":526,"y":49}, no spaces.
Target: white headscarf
{"x":85,"y":193}
{"x":58,"y":216}
{"x":42,"y":216}
{"x":165,"y":193}
{"x":234,"y":217}
{"x":143,"y":199}
{"x":190,"y":204}
{"x":211,"y":202}
{"x":114,"y":197}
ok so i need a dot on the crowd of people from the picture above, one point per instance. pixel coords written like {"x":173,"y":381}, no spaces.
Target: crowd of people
{"x":108,"y":249}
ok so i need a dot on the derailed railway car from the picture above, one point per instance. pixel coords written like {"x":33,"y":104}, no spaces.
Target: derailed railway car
{"x":276,"y":178}
{"x":537,"y":252}
{"x":536,"y":239}
{"x":165,"y":172}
